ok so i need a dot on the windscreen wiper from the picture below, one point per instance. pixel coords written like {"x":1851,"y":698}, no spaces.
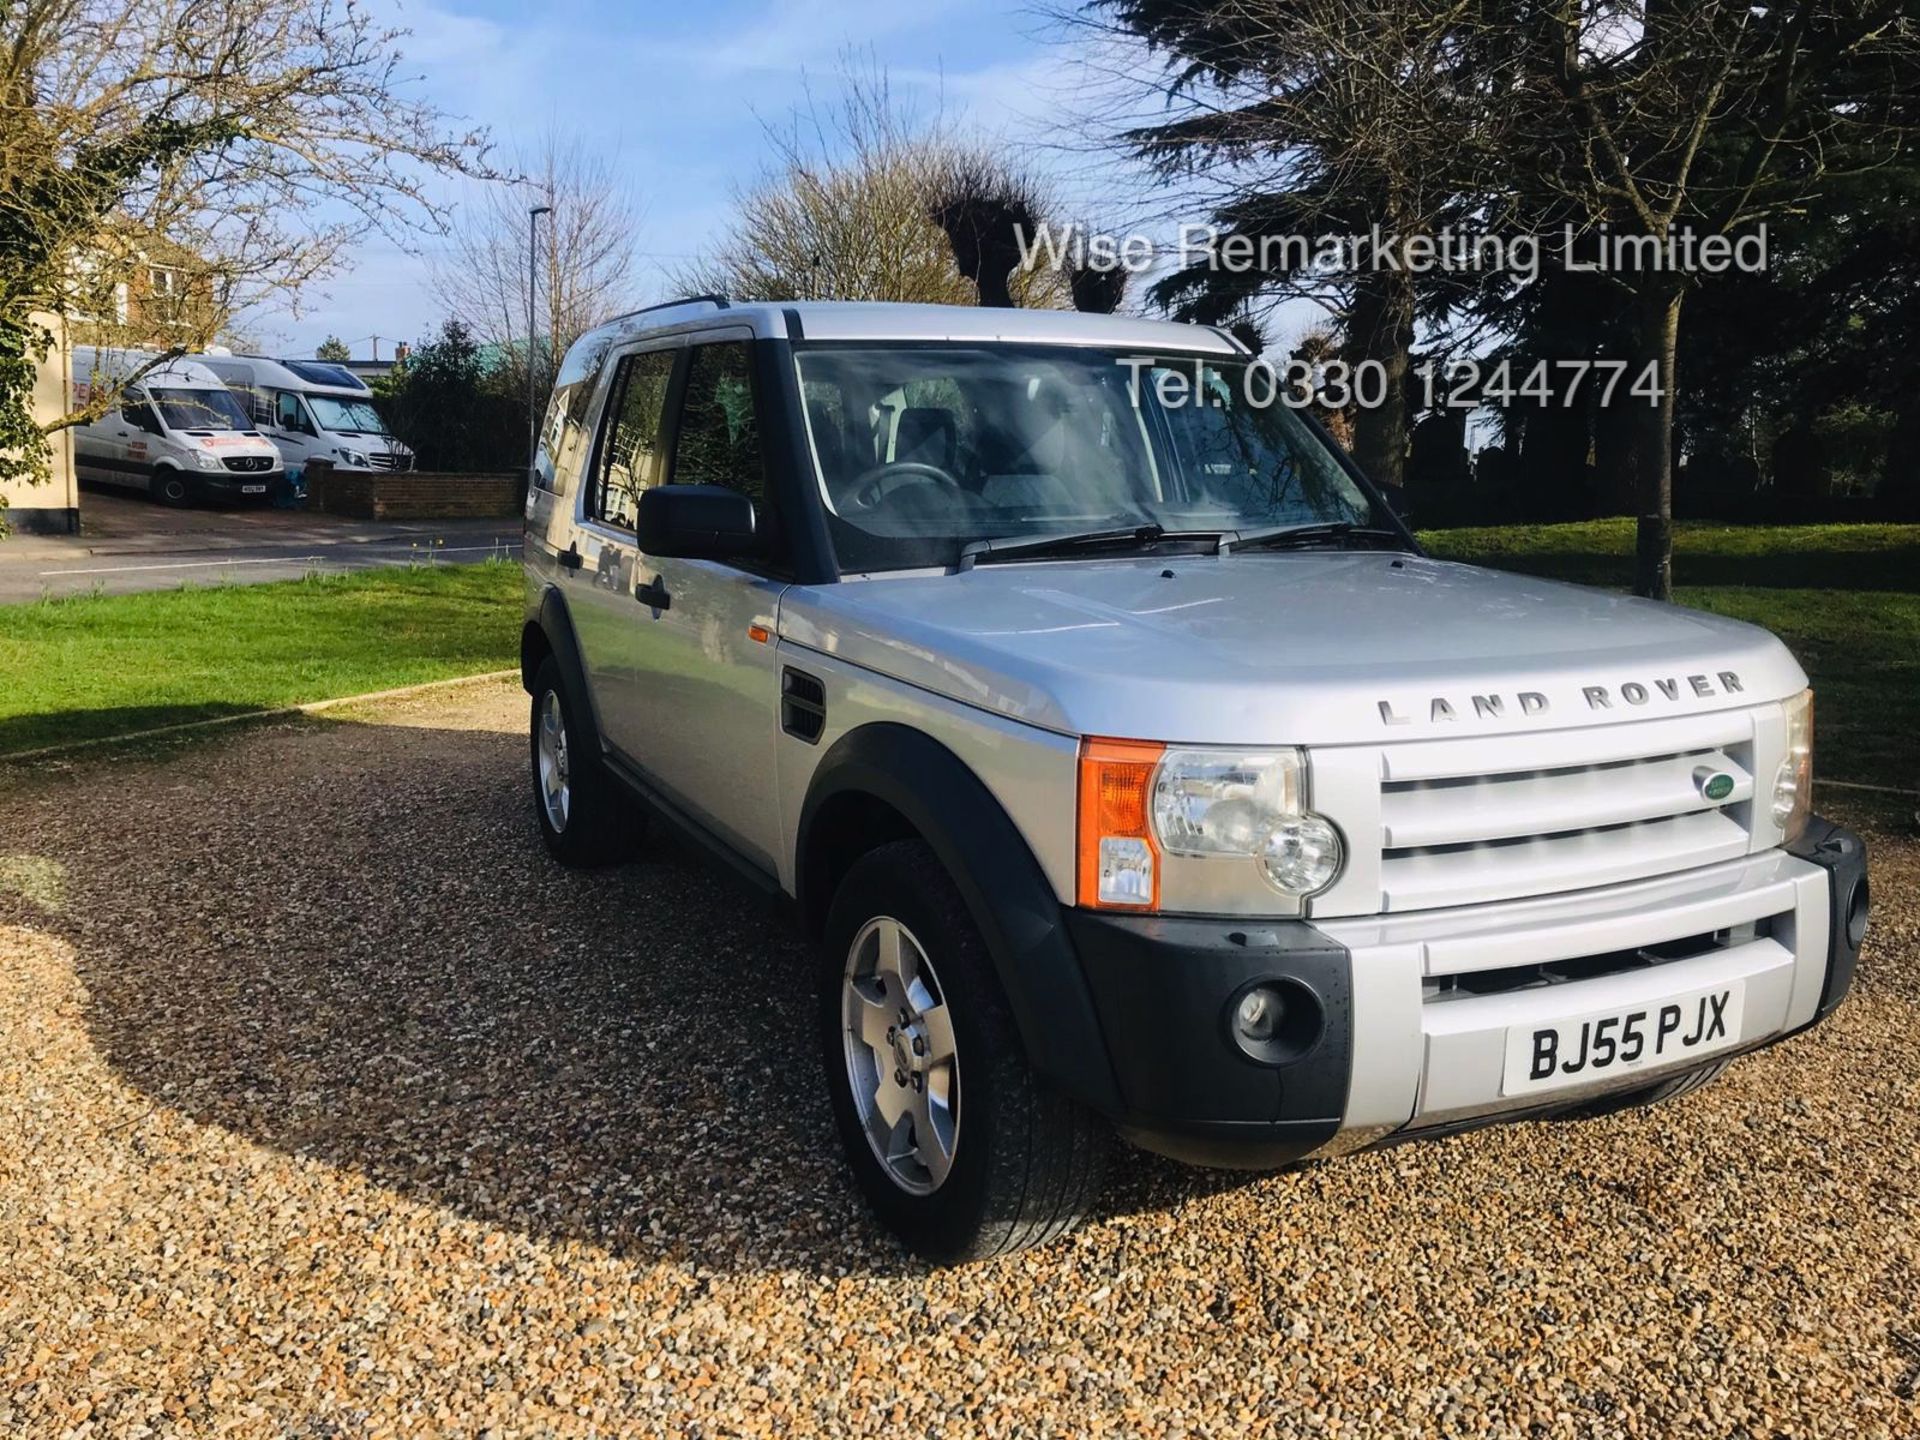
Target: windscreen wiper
{"x":1058,"y":543}
{"x":1301,"y":537}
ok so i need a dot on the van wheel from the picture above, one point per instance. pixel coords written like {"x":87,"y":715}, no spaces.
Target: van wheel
{"x":170,"y":487}
{"x":958,"y":1149}
{"x":582,"y":816}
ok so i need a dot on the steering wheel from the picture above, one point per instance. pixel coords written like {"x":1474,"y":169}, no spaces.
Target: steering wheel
{"x":874,"y":485}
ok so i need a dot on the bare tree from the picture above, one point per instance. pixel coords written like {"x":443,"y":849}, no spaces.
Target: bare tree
{"x":586,"y":257}
{"x":846,"y":210}
{"x":247,"y":143}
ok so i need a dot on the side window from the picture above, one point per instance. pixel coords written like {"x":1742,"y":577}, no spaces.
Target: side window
{"x":136,"y":412}
{"x":287,"y":413}
{"x":559,"y":438}
{"x":630,"y":454}
{"x":719,"y":437}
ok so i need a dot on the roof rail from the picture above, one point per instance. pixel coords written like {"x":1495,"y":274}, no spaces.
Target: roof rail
{"x":719,"y":302}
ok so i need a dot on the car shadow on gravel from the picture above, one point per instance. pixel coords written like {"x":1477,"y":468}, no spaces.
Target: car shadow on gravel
{"x":345,"y":942}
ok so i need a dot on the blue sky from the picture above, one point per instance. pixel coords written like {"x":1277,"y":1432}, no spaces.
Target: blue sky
{"x":677,"y":94}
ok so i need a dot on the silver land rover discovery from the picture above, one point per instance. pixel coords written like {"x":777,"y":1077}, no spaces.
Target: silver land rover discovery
{"x":1131,"y":766}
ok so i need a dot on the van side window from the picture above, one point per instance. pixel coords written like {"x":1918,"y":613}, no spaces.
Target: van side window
{"x":718,"y":442}
{"x":135,"y":410}
{"x":288,"y":414}
{"x":629,"y":460}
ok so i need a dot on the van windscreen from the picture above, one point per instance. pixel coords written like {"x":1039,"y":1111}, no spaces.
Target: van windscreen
{"x":346,"y":417}
{"x":199,"y":409}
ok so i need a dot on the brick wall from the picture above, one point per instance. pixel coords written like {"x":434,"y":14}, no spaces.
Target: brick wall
{"x":418,"y":495}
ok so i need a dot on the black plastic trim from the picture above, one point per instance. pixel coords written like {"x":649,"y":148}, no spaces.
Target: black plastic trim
{"x":555,"y":623}
{"x":1843,"y":855}
{"x":1165,"y":988}
{"x":803,"y":705}
{"x":790,"y":475}
{"x":1005,"y":890}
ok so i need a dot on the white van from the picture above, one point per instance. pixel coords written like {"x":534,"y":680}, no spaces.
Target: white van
{"x":313,"y":411}
{"x":175,"y":430}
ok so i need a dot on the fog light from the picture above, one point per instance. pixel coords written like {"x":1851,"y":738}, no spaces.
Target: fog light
{"x":1276,"y":1021}
{"x":1301,"y":854}
{"x":1259,"y":1015}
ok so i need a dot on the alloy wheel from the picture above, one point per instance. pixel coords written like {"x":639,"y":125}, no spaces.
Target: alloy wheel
{"x":901,"y":1060}
{"x":556,"y":793}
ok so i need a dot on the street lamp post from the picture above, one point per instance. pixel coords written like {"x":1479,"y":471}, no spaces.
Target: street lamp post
{"x":533,"y":284}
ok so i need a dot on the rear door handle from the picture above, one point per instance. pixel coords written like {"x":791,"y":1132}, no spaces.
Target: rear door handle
{"x":653,"y":594}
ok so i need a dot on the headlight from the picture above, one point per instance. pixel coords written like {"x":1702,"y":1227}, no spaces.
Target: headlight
{"x":1301,"y":854}
{"x":355,"y":457}
{"x":206,"y":461}
{"x":1147,"y":812}
{"x":1217,"y":802}
{"x":1793,"y":781}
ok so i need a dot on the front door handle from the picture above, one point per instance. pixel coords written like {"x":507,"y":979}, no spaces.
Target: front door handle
{"x":653,"y":594}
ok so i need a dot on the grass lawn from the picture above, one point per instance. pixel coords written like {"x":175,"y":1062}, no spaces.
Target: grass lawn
{"x":1845,"y":598}
{"x":91,"y":666}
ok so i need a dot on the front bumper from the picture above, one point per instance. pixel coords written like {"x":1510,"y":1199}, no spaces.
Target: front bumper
{"x":1413,"y":1010}
{"x":241,"y":484}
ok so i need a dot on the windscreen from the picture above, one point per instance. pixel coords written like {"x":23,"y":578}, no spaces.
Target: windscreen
{"x":921,"y":449}
{"x":199,"y":409}
{"x":346,"y":417}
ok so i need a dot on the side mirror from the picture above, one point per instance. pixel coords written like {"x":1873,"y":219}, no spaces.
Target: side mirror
{"x":696,"y":522}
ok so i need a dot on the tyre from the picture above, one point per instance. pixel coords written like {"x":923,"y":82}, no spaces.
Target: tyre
{"x":1656,"y":1094}
{"x":958,"y":1149}
{"x":171,"y":487}
{"x":583,"y":817}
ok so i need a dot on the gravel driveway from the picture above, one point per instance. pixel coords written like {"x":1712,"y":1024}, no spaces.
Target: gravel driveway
{"x":328,"y":1107}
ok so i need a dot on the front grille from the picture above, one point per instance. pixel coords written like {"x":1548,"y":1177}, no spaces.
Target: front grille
{"x":247,"y":464}
{"x":1506,"y":979}
{"x":1534,"y":827}
{"x":387,"y":460}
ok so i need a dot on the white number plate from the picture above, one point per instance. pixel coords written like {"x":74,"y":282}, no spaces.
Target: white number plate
{"x":253,"y":489}
{"x":1606,"y":1043}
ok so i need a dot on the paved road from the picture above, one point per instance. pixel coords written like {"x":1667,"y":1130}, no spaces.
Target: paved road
{"x":132,"y":544}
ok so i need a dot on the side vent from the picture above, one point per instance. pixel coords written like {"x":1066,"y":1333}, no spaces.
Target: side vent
{"x":803,"y":705}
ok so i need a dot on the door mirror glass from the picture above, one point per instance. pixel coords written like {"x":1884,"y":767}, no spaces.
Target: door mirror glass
{"x":696,"y":522}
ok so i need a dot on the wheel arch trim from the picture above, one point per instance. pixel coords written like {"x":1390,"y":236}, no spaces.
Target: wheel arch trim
{"x":1006,"y":892}
{"x":552,"y":623}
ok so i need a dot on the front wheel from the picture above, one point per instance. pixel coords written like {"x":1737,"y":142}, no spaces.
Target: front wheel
{"x":170,"y":487}
{"x":956,"y":1145}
